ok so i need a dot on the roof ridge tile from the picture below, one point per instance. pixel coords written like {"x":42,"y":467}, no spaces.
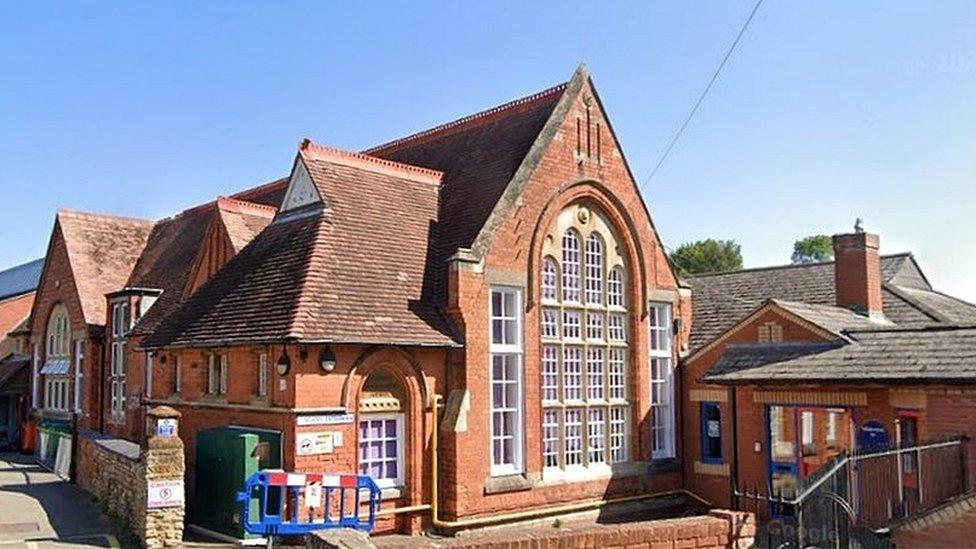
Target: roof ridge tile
{"x":467,"y":121}
{"x":315,"y":151}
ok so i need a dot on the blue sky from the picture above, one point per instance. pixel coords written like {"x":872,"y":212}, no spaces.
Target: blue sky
{"x":828,"y":110}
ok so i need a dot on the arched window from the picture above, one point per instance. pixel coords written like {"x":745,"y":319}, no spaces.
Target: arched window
{"x":584,"y":354}
{"x":594,"y":269}
{"x":56,"y":361}
{"x":57,"y":333}
{"x":381,"y":439}
{"x":550,"y":279}
{"x":571,"y":266}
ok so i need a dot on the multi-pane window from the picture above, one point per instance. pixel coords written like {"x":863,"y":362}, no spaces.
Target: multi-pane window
{"x":585,"y":407}
{"x":121,"y":323}
{"x":662,"y":381}
{"x":615,"y":287}
{"x":594,"y":269}
{"x":381,"y":448}
{"x":571,"y":266}
{"x":550,"y":280}
{"x":506,"y":380}
{"x":57,"y":357}
{"x":56,"y":392}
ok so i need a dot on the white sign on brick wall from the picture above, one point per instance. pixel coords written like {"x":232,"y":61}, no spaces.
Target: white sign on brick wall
{"x":164,"y":493}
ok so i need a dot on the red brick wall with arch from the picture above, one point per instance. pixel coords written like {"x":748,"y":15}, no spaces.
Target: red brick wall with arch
{"x":559,"y":180}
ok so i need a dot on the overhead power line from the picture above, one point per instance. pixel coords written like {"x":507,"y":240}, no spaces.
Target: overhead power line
{"x":704,"y":93}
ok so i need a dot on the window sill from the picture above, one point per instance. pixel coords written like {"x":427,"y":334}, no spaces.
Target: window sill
{"x":507,"y":483}
{"x":556,"y":477}
{"x":260,"y":401}
{"x":391,"y":493}
{"x":214,"y":398}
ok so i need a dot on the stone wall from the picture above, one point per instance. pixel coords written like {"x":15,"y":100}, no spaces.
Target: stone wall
{"x":111,"y":470}
{"x":118,"y":472}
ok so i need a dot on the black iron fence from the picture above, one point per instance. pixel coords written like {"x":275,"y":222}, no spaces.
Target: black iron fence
{"x":851,"y":499}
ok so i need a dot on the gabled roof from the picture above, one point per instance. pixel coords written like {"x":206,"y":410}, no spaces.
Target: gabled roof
{"x":20,"y":279}
{"x":721,"y":300}
{"x":936,"y":354}
{"x":102,"y":250}
{"x":332,"y":271}
{"x":243,"y":220}
{"x":168,"y":257}
{"x":479,"y":155}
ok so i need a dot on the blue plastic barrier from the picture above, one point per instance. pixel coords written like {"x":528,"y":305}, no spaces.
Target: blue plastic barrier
{"x":299,"y":503}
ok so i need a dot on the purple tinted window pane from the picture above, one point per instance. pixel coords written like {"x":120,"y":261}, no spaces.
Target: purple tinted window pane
{"x":497,"y":451}
{"x":497,"y":395}
{"x":391,"y":448}
{"x":507,"y":445}
{"x":391,"y":469}
{"x":497,"y":326}
{"x":391,"y":429}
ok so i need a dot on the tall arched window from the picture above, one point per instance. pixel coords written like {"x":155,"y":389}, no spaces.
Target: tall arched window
{"x":57,"y":333}
{"x":594,"y":269}
{"x":571,"y":266}
{"x":56,"y":360}
{"x":584,"y":359}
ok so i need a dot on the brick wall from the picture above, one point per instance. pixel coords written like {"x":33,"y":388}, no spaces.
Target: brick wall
{"x":719,"y":528}
{"x":513,"y":258}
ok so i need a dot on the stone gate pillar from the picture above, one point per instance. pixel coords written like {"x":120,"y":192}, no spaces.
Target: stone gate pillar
{"x":163,"y":459}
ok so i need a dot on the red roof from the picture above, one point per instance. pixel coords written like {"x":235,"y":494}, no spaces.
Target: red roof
{"x":334,"y":273}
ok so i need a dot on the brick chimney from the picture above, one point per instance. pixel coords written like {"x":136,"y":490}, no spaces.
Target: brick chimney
{"x":857,"y":272}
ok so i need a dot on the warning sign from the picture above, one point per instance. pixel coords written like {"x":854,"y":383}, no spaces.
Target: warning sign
{"x":164,"y":493}
{"x":310,"y":444}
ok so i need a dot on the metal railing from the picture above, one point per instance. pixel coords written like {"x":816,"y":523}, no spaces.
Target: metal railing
{"x":853,"y":497}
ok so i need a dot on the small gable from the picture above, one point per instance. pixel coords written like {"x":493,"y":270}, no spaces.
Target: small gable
{"x":301,"y":191}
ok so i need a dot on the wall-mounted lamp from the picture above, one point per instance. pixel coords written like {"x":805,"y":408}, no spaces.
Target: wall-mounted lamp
{"x":328,"y":359}
{"x":284,"y":363}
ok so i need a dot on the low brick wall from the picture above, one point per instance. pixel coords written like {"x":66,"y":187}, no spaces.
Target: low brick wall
{"x":718,"y":529}
{"x":117,"y":472}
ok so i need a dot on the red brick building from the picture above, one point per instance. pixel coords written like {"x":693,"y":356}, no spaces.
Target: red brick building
{"x":792,"y":365}
{"x":17,"y":288}
{"x":502,"y":265}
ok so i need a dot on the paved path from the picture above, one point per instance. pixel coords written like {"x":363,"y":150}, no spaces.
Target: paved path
{"x":39,"y":510}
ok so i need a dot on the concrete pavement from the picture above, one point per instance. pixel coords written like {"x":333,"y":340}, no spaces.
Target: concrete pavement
{"x":40,"y":510}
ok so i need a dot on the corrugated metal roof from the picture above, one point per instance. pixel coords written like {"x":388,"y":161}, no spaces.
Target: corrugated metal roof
{"x":21,"y":279}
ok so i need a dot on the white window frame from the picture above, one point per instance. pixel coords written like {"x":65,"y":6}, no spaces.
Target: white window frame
{"x":586,"y":427}
{"x":507,"y":349}
{"x":398,"y":418}
{"x":177,"y":374}
{"x":661,"y":380}
{"x":223,"y":374}
{"x":263,"y":374}
{"x":121,"y":323}
{"x":79,"y":375}
{"x":56,"y":392}
{"x":149,"y":374}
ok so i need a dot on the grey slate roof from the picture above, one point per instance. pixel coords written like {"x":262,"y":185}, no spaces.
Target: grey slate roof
{"x":833,"y":319}
{"x":20,"y":279}
{"x":934,"y":354}
{"x":721,"y":300}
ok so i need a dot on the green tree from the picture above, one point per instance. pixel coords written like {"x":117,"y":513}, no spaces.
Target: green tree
{"x":812,"y":249}
{"x":707,"y":256}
